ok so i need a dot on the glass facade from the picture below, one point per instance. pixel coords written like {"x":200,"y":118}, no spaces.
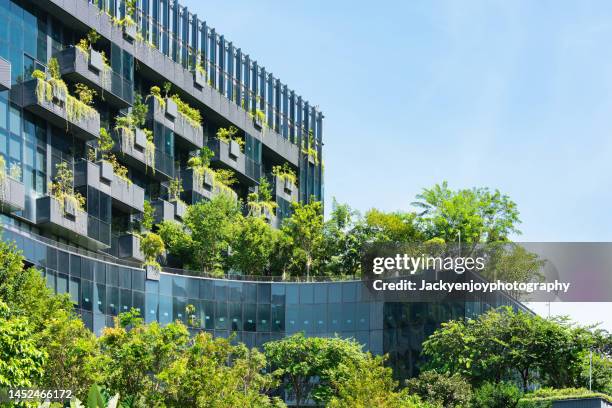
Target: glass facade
{"x":254,"y":312}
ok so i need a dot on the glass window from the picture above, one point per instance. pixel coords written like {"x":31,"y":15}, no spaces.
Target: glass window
{"x":112,"y":275}
{"x":87,"y":266}
{"x":165,"y":285}
{"x":151,"y":301}
{"x":138,"y":280}
{"x":250,"y":316}
{"x":334,"y":293}
{"x":179,"y":286}
{"x":320,"y":293}
{"x":292,"y":320}
{"x":220,"y":316}
{"x":349,"y":292}
{"x":86,"y":295}
{"x":75,"y":290}
{"x":278,"y":318}
{"x":125,"y":300}
{"x":235,"y":291}
{"x":348,"y":317}
{"x":125,"y":278}
{"x":220,"y":291}
{"x":193,"y":288}
{"x":99,"y":298}
{"x":249,"y":292}
{"x":334,"y":317}
{"x":112,"y":301}
{"x":165,"y":309}
{"x":50,"y":279}
{"x":62,"y":283}
{"x":209,"y":315}
{"x":263,"y":317}
{"x":319,"y":318}
{"x":306,"y":293}
{"x":178,"y":308}
{"x":292,"y":294}
{"x":207,"y":289}
{"x":263,"y":293}
{"x":100,"y":273}
{"x":235,"y":316}
{"x":278,"y":293}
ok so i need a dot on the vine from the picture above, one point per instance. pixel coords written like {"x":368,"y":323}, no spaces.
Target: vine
{"x":285,"y":172}
{"x":62,"y":189}
{"x":85,"y":45}
{"x":149,"y":150}
{"x":227,"y":135}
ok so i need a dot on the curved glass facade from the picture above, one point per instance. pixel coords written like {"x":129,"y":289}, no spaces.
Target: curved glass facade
{"x":254,"y":312}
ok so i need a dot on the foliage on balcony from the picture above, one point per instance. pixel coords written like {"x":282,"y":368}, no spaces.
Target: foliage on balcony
{"x":55,"y":88}
{"x":309,"y":148}
{"x":85,"y":45}
{"x":285,"y":172}
{"x":230,"y":134}
{"x":62,"y":189}
{"x":222,"y":180}
{"x":261,"y":203}
{"x":187,"y":113}
{"x":14,"y":173}
{"x":126,"y":124}
{"x":175,"y":188}
{"x":155,"y":92}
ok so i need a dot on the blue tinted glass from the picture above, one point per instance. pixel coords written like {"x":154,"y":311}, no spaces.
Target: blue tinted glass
{"x":305,"y":317}
{"x":348,"y":317}
{"x":193,"y":287}
{"x":100,"y":272}
{"x":125,"y":300}
{"x":319,"y":318}
{"x":62,"y":283}
{"x":99,"y":298}
{"x":334,"y":293}
{"x":165,"y":309}
{"x":362,"y":316}
{"x":235,"y":291}
{"x":75,"y":290}
{"x":207,"y":289}
{"x":50,"y":279}
{"x":306,"y":293}
{"x":179,"y":286}
{"x":249,"y":292}
{"x":349,"y":292}
{"x":112,"y":300}
{"x":250,"y":316}
{"x":151,"y":305}
{"x":208,"y":316}
{"x":278,"y":293}
{"x":292,"y":294}
{"x":112,"y":275}
{"x":165,"y":285}
{"x":75,"y":265}
{"x":263,"y":292}
{"x":221,"y":316}
{"x":87,"y":268}
{"x":263,"y":317}
{"x":125,"y":277}
{"x":51,"y":258}
{"x":291,"y":320}
{"x":178,"y":307}
{"x":86,"y":295}
{"x":278,"y":318}
{"x":235,"y":316}
{"x":334,"y":317}
{"x":320,"y":293}
{"x":138,"y":280}
{"x":220,"y":291}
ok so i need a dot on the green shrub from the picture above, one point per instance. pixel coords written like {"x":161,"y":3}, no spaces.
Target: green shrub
{"x":501,"y":395}
{"x":449,"y":391}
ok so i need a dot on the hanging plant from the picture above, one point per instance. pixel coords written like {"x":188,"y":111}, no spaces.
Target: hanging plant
{"x":125,"y":127}
{"x":285,"y":173}
{"x":261,"y":203}
{"x":309,"y":148}
{"x":149,"y":150}
{"x":62,"y":189}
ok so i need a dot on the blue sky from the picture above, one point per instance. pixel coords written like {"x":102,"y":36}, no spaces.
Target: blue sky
{"x":509,"y":95}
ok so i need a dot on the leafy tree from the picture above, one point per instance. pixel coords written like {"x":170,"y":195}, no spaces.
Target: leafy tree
{"x":307,"y":365}
{"x":152,"y":247}
{"x":215,"y":373}
{"x":305,"y":229}
{"x":598,"y":372}
{"x":368,"y":383}
{"x":21,"y":359}
{"x":252,"y":246}
{"x":449,"y":391}
{"x":211,"y":224}
{"x":500,"y":395}
{"x":502,"y":344}
{"x":148,"y":216}
{"x":392,"y":227}
{"x":478,"y":214}
{"x":176,"y":240}
{"x":133,"y":353}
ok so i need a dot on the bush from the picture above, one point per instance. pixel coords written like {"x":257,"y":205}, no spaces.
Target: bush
{"x":441,"y":389}
{"x":501,"y":395}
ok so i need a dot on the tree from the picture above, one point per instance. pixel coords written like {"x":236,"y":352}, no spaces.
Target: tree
{"x":478,"y":214}
{"x":252,"y":246}
{"x":21,"y":359}
{"x":213,"y":372}
{"x":211,"y":224}
{"x":502,"y":344}
{"x":305,"y":228}
{"x":500,"y":395}
{"x":177,"y":241}
{"x":134,"y":353}
{"x":449,"y":391}
{"x":368,"y":383}
{"x":307,"y":365}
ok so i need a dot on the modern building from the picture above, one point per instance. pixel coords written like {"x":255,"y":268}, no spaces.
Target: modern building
{"x":90,"y":253}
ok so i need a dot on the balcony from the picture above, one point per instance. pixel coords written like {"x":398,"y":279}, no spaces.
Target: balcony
{"x":168,"y":115}
{"x":230,"y":156}
{"x":127,"y":196}
{"x":12,"y":195}
{"x":63,"y":220}
{"x":128,"y":247}
{"x":284,"y":189}
{"x":55,"y":112}
{"x":133,"y":153}
{"x":197,"y":190}
{"x":168,"y":211}
{"x":91,"y":70}
{"x":5,"y":75}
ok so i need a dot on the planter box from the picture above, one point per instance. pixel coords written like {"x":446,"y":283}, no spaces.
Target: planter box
{"x":164,"y":210}
{"x":95,"y":60}
{"x":129,"y":31}
{"x":258,"y":123}
{"x":69,"y":207}
{"x":129,"y":248}
{"x":171,"y":108}
{"x":5,"y":75}
{"x":140,"y":139}
{"x":288,"y":185}
{"x":12,"y":197}
{"x":208,"y":179}
{"x":49,"y":214}
{"x":234,"y":148}
{"x":180,"y":208}
{"x":152,"y":272}
{"x":106,"y":171}
{"x":127,"y":196}
{"x":199,"y":78}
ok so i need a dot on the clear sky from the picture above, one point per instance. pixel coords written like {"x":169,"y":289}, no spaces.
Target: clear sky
{"x":509,"y":95}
